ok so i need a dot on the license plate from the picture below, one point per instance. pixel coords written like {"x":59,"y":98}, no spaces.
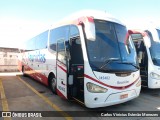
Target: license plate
{"x":123,"y":96}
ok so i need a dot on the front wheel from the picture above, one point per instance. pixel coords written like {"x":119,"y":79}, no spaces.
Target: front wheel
{"x":53,"y":85}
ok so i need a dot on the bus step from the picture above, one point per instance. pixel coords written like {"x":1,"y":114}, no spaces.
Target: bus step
{"x":143,"y":72}
{"x":144,"y":76}
{"x":80,"y":77}
{"x":81,"y":90}
{"x":144,"y":86}
{"x":144,"y":82}
{"x":79,"y":101}
{"x":144,"y":79}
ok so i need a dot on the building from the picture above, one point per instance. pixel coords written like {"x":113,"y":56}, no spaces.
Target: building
{"x":8,"y":59}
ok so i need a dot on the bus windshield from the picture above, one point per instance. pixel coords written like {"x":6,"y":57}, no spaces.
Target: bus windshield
{"x":155,"y":50}
{"x":111,"y":51}
{"x":158,"y":31}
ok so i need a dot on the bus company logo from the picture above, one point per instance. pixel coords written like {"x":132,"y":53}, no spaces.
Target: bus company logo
{"x":6,"y":114}
{"x":122,"y":82}
{"x":38,"y":57}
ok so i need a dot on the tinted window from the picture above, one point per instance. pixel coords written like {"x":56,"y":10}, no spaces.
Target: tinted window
{"x":38,"y":42}
{"x":154,"y":50}
{"x":106,"y":41}
{"x":41,"y":40}
{"x":74,"y":31}
{"x":30,"y":45}
{"x":111,"y":51}
{"x":127,"y":48}
{"x":57,"y":34}
{"x":61,"y":50}
{"x":158,"y":33}
{"x":75,"y":48}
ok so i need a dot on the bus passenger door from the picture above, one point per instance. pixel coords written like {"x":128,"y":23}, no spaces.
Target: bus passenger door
{"x":142,"y":55}
{"x":76,"y":66}
{"x":61,"y":69}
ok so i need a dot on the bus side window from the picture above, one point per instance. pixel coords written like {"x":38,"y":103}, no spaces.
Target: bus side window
{"x":74,"y":35}
{"x":52,"y":41}
{"x":57,"y":34}
{"x":61,"y":51}
{"x":76,"y":50}
{"x":41,"y":40}
{"x":30,"y":45}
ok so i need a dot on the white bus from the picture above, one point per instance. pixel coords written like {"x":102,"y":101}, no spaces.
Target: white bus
{"x":147,"y":44}
{"x":87,"y":57}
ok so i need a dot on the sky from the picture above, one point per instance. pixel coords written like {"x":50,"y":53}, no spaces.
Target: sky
{"x":23,"y":19}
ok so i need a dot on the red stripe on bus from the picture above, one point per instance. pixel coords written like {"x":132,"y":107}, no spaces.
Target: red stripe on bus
{"x":137,"y":32}
{"x":60,"y":94}
{"x":36,"y":75}
{"x":114,"y":87}
{"x":62,"y":68}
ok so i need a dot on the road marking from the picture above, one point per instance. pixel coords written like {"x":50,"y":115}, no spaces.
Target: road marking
{"x":158,"y":108}
{"x":4,"y":100}
{"x":11,"y":74}
{"x":67,"y":117}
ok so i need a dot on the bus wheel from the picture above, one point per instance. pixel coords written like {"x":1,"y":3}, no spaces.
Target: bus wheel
{"x":23,"y":71}
{"x":53,"y":85}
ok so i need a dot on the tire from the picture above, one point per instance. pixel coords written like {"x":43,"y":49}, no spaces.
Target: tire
{"x":23,"y":71}
{"x":52,"y":84}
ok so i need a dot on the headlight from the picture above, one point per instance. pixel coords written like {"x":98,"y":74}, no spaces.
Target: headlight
{"x":154,"y":75}
{"x":95,"y":88}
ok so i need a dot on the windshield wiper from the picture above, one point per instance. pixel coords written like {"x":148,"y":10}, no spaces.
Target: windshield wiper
{"x":129,"y":63}
{"x":155,"y":58}
{"x":107,"y":61}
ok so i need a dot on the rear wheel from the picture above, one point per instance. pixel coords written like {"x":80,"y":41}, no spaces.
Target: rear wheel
{"x":52,"y":84}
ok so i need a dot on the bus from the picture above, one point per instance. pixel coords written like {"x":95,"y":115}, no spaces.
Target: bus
{"x":87,"y":57}
{"x":147,"y":42}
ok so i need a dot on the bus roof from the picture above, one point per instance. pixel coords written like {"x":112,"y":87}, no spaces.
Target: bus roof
{"x":137,"y":31}
{"x":96,"y":14}
{"x":147,"y":27}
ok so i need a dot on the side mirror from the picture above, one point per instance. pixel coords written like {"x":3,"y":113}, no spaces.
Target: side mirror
{"x":154,"y":34}
{"x":90,"y":31}
{"x":89,"y":27}
{"x":147,"y":41}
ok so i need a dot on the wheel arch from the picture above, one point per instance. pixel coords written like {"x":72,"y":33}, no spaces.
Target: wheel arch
{"x":51,"y":74}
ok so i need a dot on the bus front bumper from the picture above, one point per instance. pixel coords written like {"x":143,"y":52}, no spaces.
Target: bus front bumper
{"x":153,"y":83}
{"x":114,"y":98}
